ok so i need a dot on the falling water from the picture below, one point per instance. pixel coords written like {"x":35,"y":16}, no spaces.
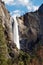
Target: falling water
{"x":16,"y":33}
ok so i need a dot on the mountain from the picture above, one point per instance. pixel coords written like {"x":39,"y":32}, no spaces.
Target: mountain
{"x":31,"y":33}
{"x":25,"y":32}
{"x":40,"y":10}
{"x":31,"y":29}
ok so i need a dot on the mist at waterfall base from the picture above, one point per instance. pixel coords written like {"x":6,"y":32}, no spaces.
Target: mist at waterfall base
{"x":16,"y":33}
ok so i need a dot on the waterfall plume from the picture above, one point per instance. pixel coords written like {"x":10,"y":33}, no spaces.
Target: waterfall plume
{"x":16,"y":33}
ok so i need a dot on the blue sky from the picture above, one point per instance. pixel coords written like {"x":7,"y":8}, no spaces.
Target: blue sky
{"x":20,"y":7}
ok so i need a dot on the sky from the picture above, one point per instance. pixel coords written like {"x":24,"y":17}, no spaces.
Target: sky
{"x":20,"y":7}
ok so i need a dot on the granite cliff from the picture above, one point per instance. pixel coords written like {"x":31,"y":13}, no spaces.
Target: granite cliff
{"x":31,"y":29}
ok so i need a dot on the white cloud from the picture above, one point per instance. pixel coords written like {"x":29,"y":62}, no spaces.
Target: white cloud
{"x":32,"y":8}
{"x":23,"y":2}
{"x":9,"y":2}
{"x":28,"y":4}
{"x":35,"y":7}
{"x":16,"y":13}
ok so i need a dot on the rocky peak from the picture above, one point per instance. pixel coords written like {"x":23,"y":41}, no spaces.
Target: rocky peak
{"x":2,"y":2}
{"x":41,"y":9}
{"x":31,"y":29}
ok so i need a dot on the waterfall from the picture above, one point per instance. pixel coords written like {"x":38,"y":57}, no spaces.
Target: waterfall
{"x":16,"y":33}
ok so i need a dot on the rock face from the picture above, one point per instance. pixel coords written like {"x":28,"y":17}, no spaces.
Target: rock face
{"x":7,"y":24}
{"x":31,"y":29}
{"x":6,"y":19}
{"x":41,"y":9}
{"x":3,"y":43}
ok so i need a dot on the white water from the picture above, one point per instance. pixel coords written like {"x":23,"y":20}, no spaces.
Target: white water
{"x":16,"y":33}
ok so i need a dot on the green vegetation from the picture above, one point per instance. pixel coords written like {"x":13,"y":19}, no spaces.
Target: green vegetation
{"x":24,"y":58}
{"x":3,"y":47}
